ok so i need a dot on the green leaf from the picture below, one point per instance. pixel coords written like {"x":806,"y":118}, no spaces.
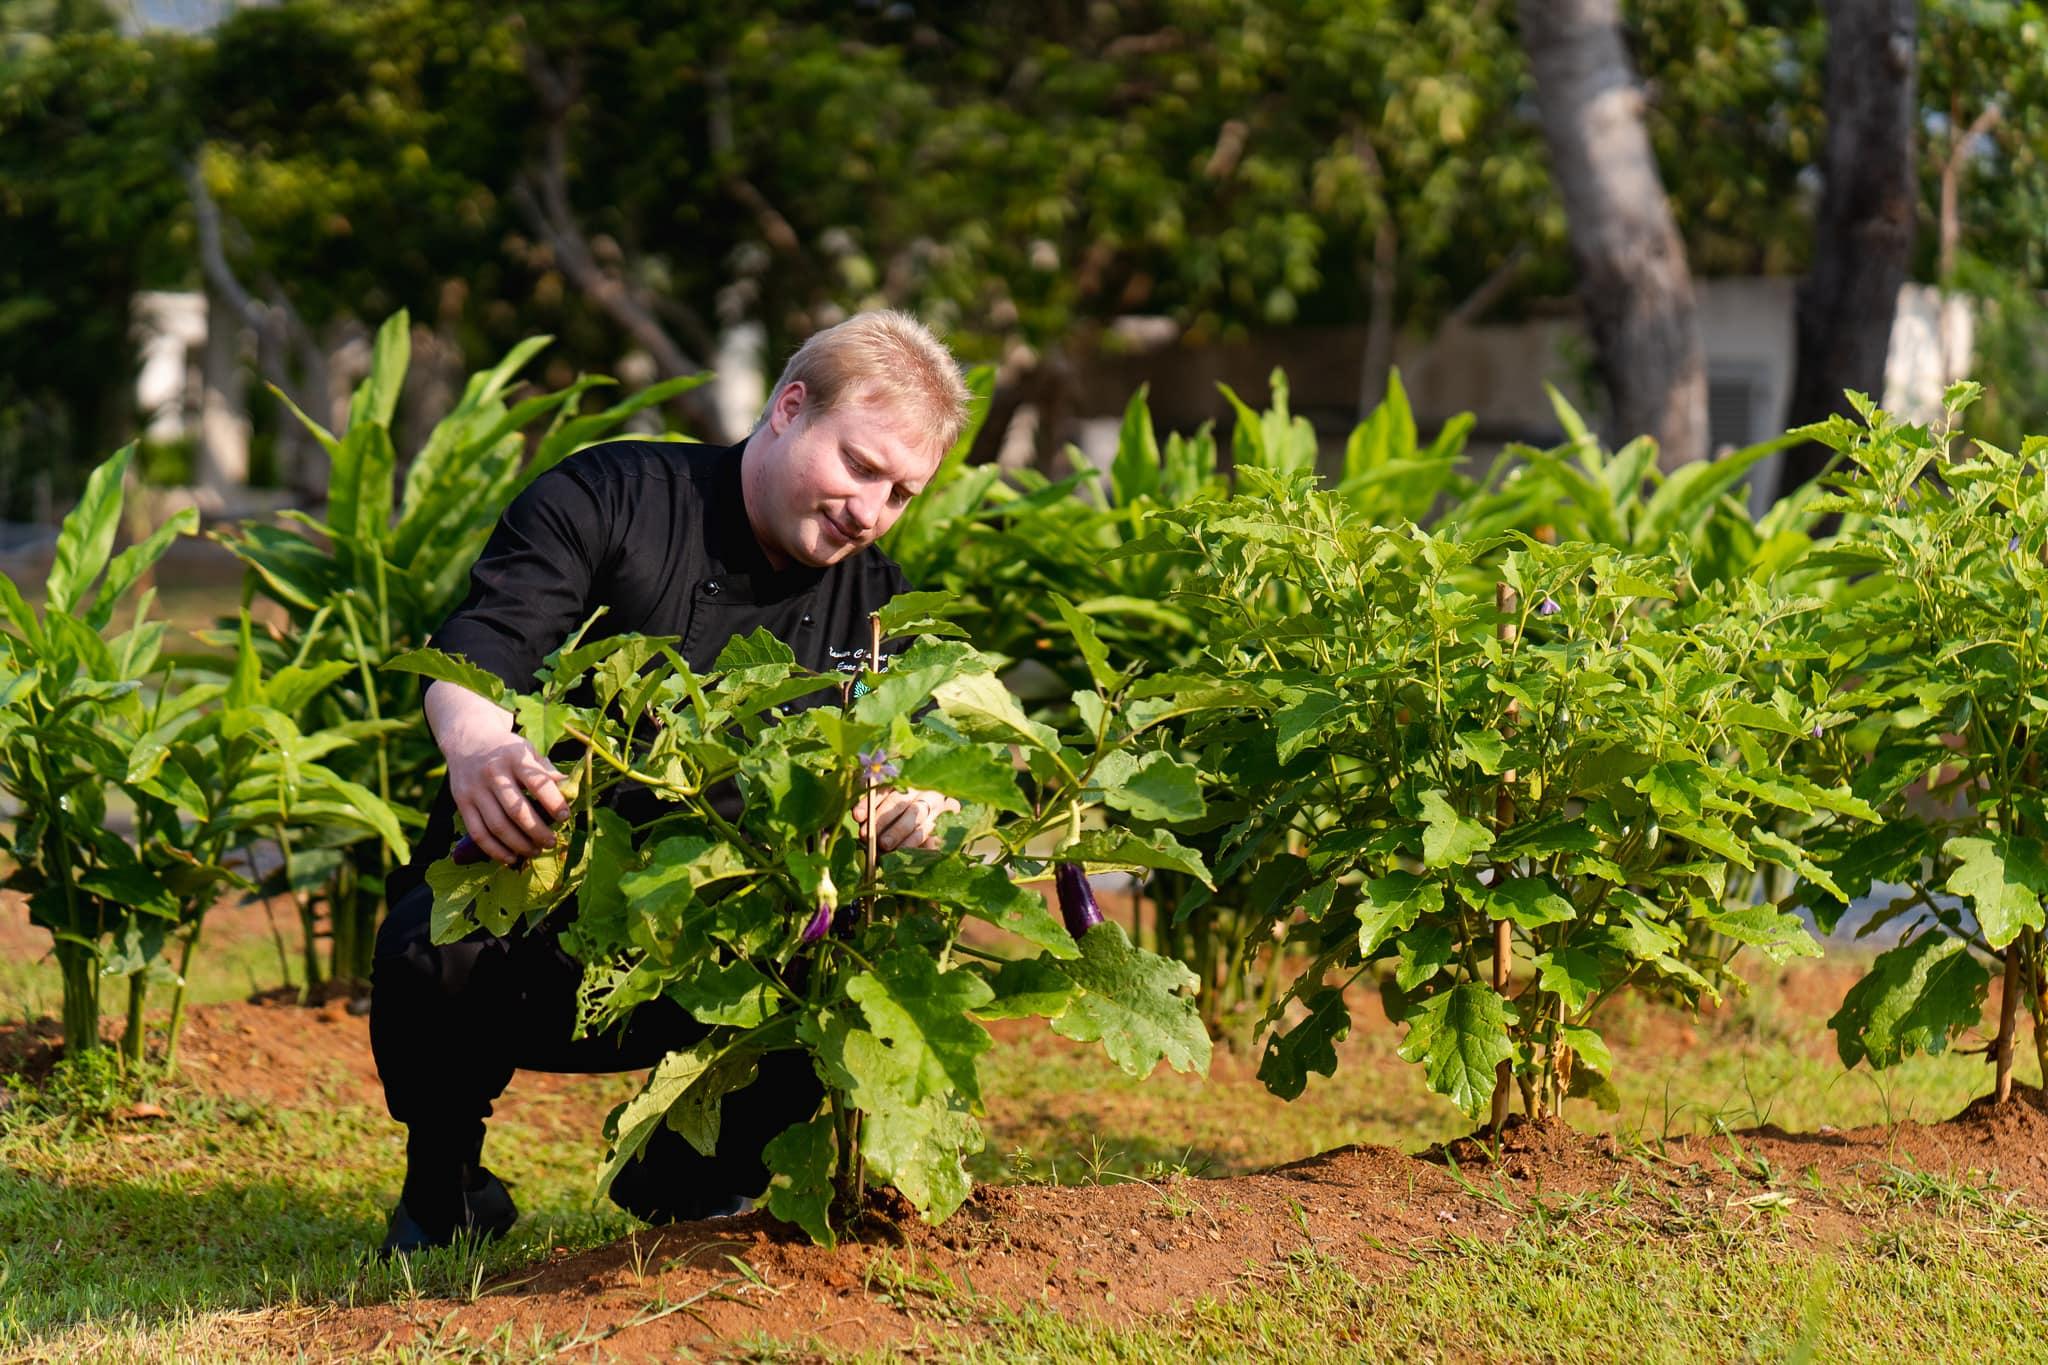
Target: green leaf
{"x":1304,"y":720}
{"x":1310,"y":1045}
{"x":757,"y":649}
{"x":1915,"y":998}
{"x":1156,"y":786}
{"x":489,"y":895}
{"x":1423,"y":953}
{"x":981,"y":705}
{"x":1138,"y":1005}
{"x":633,"y":1122}
{"x":1391,"y":904}
{"x":1117,"y":848}
{"x":2003,"y":879}
{"x":1460,"y":1036}
{"x":801,"y":1159}
{"x":922,"y":1150}
{"x":918,"y":613}
{"x":983,"y":774}
{"x":982,"y":890}
{"x":1027,"y":988}
{"x":1450,"y":838}
{"x":1590,"y":1046}
{"x":86,"y":536}
{"x":1134,"y":472}
{"x":921,"y":1013}
{"x":1572,"y":974}
{"x":1780,"y":936}
{"x":129,"y":565}
{"x":1531,"y":902}
{"x":735,"y":993}
{"x":432,"y":663}
{"x":1093,"y":652}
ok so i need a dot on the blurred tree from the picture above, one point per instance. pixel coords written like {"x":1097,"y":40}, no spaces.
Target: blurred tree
{"x":1863,"y":233}
{"x":86,"y":119}
{"x":1635,"y":287}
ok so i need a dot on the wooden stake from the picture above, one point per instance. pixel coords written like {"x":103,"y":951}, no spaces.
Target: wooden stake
{"x":2008,"y":1018}
{"x":1503,"y":816}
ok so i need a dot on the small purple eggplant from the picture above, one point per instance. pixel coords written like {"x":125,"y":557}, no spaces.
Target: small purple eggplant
{"x":828,"y":902}
{"x":467,"y":852}
{"x":1077,"y":898}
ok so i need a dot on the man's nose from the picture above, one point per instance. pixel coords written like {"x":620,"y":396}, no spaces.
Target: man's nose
{"x":867,"y":508}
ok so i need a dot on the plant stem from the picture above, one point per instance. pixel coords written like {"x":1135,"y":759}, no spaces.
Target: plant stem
{"x":132,"y":1037}
{"x":178,"y":998}
{"x":2008,"y":1019}
{"x":1503,"y":816}
{"x":81,"y":997}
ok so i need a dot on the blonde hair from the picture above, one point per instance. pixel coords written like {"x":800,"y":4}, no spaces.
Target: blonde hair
{"x":886,"y":354}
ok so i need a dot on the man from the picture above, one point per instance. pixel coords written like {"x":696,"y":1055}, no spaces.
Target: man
{"x":701,"y":543}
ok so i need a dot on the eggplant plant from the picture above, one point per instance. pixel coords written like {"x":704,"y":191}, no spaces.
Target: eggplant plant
{"x":1507,"y":805}
{"x":1938,"y":723}
{"x":384,"y":568}
{"x":778,"y":927}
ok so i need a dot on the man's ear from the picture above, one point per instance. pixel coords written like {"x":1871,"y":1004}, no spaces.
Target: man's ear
{"x":787,"y":407}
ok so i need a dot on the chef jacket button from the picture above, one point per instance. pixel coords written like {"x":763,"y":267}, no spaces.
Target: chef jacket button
{"x":711,"y":589}
{"x":807,"y":618}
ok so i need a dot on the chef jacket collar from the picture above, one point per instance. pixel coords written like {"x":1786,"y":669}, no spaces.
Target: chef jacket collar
{"x":730,"y":537}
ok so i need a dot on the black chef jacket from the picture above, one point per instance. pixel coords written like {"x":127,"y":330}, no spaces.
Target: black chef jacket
{"x":657,"y":532}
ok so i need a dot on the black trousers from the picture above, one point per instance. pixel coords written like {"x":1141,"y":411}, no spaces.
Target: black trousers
{"x":449,"y":1024}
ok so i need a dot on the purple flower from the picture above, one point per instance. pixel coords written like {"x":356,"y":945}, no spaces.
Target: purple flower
{"x":876,"y":767}
{"x":1816,"y":731}
{"x":1077,"y":898}
{"x":2012,"y":547}
{"x":1548,"y":606}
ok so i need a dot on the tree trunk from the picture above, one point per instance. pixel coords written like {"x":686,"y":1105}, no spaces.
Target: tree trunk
{"x":1633,"y":279}
{"x":222,"y":465}
{"x":1863,"y":238}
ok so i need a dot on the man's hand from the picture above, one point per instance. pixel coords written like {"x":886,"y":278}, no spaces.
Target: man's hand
{"x":904,"y":819}
{"x":492,"y":773}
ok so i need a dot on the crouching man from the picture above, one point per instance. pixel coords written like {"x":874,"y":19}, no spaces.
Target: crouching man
{"x":703,"y":543}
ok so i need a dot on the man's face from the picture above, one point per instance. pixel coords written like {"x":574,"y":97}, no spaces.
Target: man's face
{"x":820,"y":488}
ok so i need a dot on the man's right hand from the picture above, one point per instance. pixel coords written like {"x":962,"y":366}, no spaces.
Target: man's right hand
{"x":492,"y":772}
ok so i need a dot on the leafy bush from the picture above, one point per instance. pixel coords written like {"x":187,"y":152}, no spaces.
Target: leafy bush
{"x":1945,"y":686}
{"x":779,"y":931}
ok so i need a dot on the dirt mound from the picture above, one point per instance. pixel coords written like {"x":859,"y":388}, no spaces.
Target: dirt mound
{"x":1548,"y":1149}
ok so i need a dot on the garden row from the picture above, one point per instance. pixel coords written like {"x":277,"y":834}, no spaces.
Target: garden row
{"x":1500,"y":746}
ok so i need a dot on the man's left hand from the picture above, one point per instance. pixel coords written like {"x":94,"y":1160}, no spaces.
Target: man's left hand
{"x":904,"y":819}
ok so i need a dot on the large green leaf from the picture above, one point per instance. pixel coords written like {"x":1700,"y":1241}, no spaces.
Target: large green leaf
{"x":1391,"y":904}
{"x":1461,"y":1036}
{"x":1915,"y":998}
{"x":982,"y":774}
{"x":1138,"y":1005}
{"x":917,"y":1140}
{"x":1118,"y":848}
{"x":432,"y":663}
{"x":1310,"y":1046}
{"x":1449,"y":839}
{"x":800,"y":1192}
{"x":86,"y":536}
{"x":2003,"y":879}
{"x":922,"y":1013}
{"x":1153,"y":786}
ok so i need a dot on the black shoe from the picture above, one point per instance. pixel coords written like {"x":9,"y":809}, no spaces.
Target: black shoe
{"x":486,"y":1213}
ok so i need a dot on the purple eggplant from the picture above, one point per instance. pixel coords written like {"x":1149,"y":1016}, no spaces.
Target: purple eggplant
{"x":466,"y":852}
{"x":828,"y":902}
{"x":1077,"y":898}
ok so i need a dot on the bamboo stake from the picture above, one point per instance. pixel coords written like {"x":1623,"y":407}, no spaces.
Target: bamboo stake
{"x":2008,"y":1018}
{"x":1503,"y":816}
